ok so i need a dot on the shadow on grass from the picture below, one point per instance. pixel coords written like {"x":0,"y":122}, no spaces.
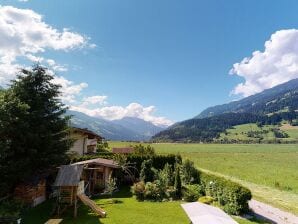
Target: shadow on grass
{"x":42,"y":213}
{"x":124,"y":192}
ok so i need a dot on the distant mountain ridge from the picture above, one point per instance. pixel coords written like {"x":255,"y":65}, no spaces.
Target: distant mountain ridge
{"x":126,"y":129}
{"x":268,"y":107}
{"x":268,"y":101}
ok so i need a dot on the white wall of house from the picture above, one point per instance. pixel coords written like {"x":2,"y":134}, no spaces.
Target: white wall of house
{"x":80,"y":144}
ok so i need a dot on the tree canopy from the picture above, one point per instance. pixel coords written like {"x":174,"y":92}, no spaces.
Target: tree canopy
{"x":33,"y":130}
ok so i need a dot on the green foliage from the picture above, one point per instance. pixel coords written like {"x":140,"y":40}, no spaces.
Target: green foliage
{"x":177,"y":183}
{"x":33,"y":132}
{"x":209,"y":129}
{"x":11,"y":208}
{"x":206,"y":200}
{"x":147,"y":173}
{"x":102,"y":147}
{"x":158,"y":161}
{"x":111,"y":186}
{"x":232,"y":196}
{"x":191,"y":193}
{"x":154,"y":191}
{"x":189,"y":174}
{"x":138,"y":189}
{"x":142,"y":150}
{"x":165,"y":176}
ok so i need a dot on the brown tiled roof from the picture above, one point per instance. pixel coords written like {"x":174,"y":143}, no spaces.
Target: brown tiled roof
{"x":90,"y":134}
{"x":126,"y":150}
{"x":99,"y":161}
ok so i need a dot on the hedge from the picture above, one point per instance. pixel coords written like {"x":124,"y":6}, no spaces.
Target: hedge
{"x":158,"y":161}
{"x":232,"y":196}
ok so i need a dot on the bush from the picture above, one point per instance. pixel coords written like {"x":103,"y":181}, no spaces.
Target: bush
{"x":158,"y":161}
{"x":147,"y":172}
{"x":192,"y":193}
{"x":11,"y":208}
{"x":153,"y":192}
{"x":189,"y":174}
{"x":206,"y":200}
{"x":144,"y":150}
{"x":234,"y":197}
{"x":138,"y":189}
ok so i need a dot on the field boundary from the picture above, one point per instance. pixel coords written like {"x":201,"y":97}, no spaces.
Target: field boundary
{"x":266,"y":194}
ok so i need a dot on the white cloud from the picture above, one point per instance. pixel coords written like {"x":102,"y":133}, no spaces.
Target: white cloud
{"x":118,"y":112}
{"x":24,"y":34}
{"x":91,"y":100}
{"x":69,"y":90}
{"x":278,"y":63}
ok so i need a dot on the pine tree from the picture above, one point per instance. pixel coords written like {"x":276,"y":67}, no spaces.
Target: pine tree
{"x":177,"y":184}
{"x":32,"y":125}
{"x":147,"y":174}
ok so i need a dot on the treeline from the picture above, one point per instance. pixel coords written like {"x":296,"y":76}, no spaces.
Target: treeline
{"x":208,"y":129}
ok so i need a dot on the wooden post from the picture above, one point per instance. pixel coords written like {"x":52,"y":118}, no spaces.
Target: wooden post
{"x":75,"y":203}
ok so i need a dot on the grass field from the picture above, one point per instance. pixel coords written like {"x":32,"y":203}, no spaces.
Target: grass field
{"x":127,"y":211}
{"x":270,"y":171}
{"x":240,"y":132}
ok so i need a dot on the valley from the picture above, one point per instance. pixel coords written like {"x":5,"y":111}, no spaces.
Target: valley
{"x":268,"y":170}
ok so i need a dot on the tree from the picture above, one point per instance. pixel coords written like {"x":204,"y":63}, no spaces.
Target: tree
{"x":12,"y":160}
{"x":33,"y":130}
{"x":177,"y":184}
{"x":189,"y":174}
{"x":144,"y":150}
{"x":147,"y":173}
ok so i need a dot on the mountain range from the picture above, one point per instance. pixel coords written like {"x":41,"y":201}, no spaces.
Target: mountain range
{"x":125,"y":129}
{"x":268,"y":107}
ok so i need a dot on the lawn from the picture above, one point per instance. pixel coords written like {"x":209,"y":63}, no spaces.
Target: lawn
{"x":269,"y":170}
{"x":128,"y":210}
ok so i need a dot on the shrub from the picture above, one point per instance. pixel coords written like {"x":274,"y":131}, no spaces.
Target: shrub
{"x":165,"y":176}
{"x":177,"y":184}
{"x":170,"y":192}
{"x":232,"y":195}
{"x":153,"y":192}
{"x":138,"y":189}
{"x":206,"y":200}
{"x":189,"y":174}
{"x":158,"y":161}
{"x":147,"y":172}
{"x":192,"y":193}
{"x":144,"y":150}
{"x":11,"y":208}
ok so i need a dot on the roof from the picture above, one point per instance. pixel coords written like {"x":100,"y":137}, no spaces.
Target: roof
{"x":90,"y":133}
{"x":99,"y":161}
{"x":69,"y":175}
{"x":200,"y":213}
{"x":123,"y":150}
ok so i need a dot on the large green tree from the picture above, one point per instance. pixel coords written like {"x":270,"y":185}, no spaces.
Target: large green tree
{"x":33,"y":130}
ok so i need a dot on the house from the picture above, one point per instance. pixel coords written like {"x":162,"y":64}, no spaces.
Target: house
{"x":126,"y":150}
{"x":85,"y":141}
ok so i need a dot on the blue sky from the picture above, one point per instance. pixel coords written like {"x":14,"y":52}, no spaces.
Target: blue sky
{"x":173,"y":55}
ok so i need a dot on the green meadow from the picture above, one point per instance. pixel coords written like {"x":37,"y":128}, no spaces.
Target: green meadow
{"x":270,"y":171}
{"x":127,"y":210}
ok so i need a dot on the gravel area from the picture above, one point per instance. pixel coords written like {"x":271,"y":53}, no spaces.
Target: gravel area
{"x":272,"y":214}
